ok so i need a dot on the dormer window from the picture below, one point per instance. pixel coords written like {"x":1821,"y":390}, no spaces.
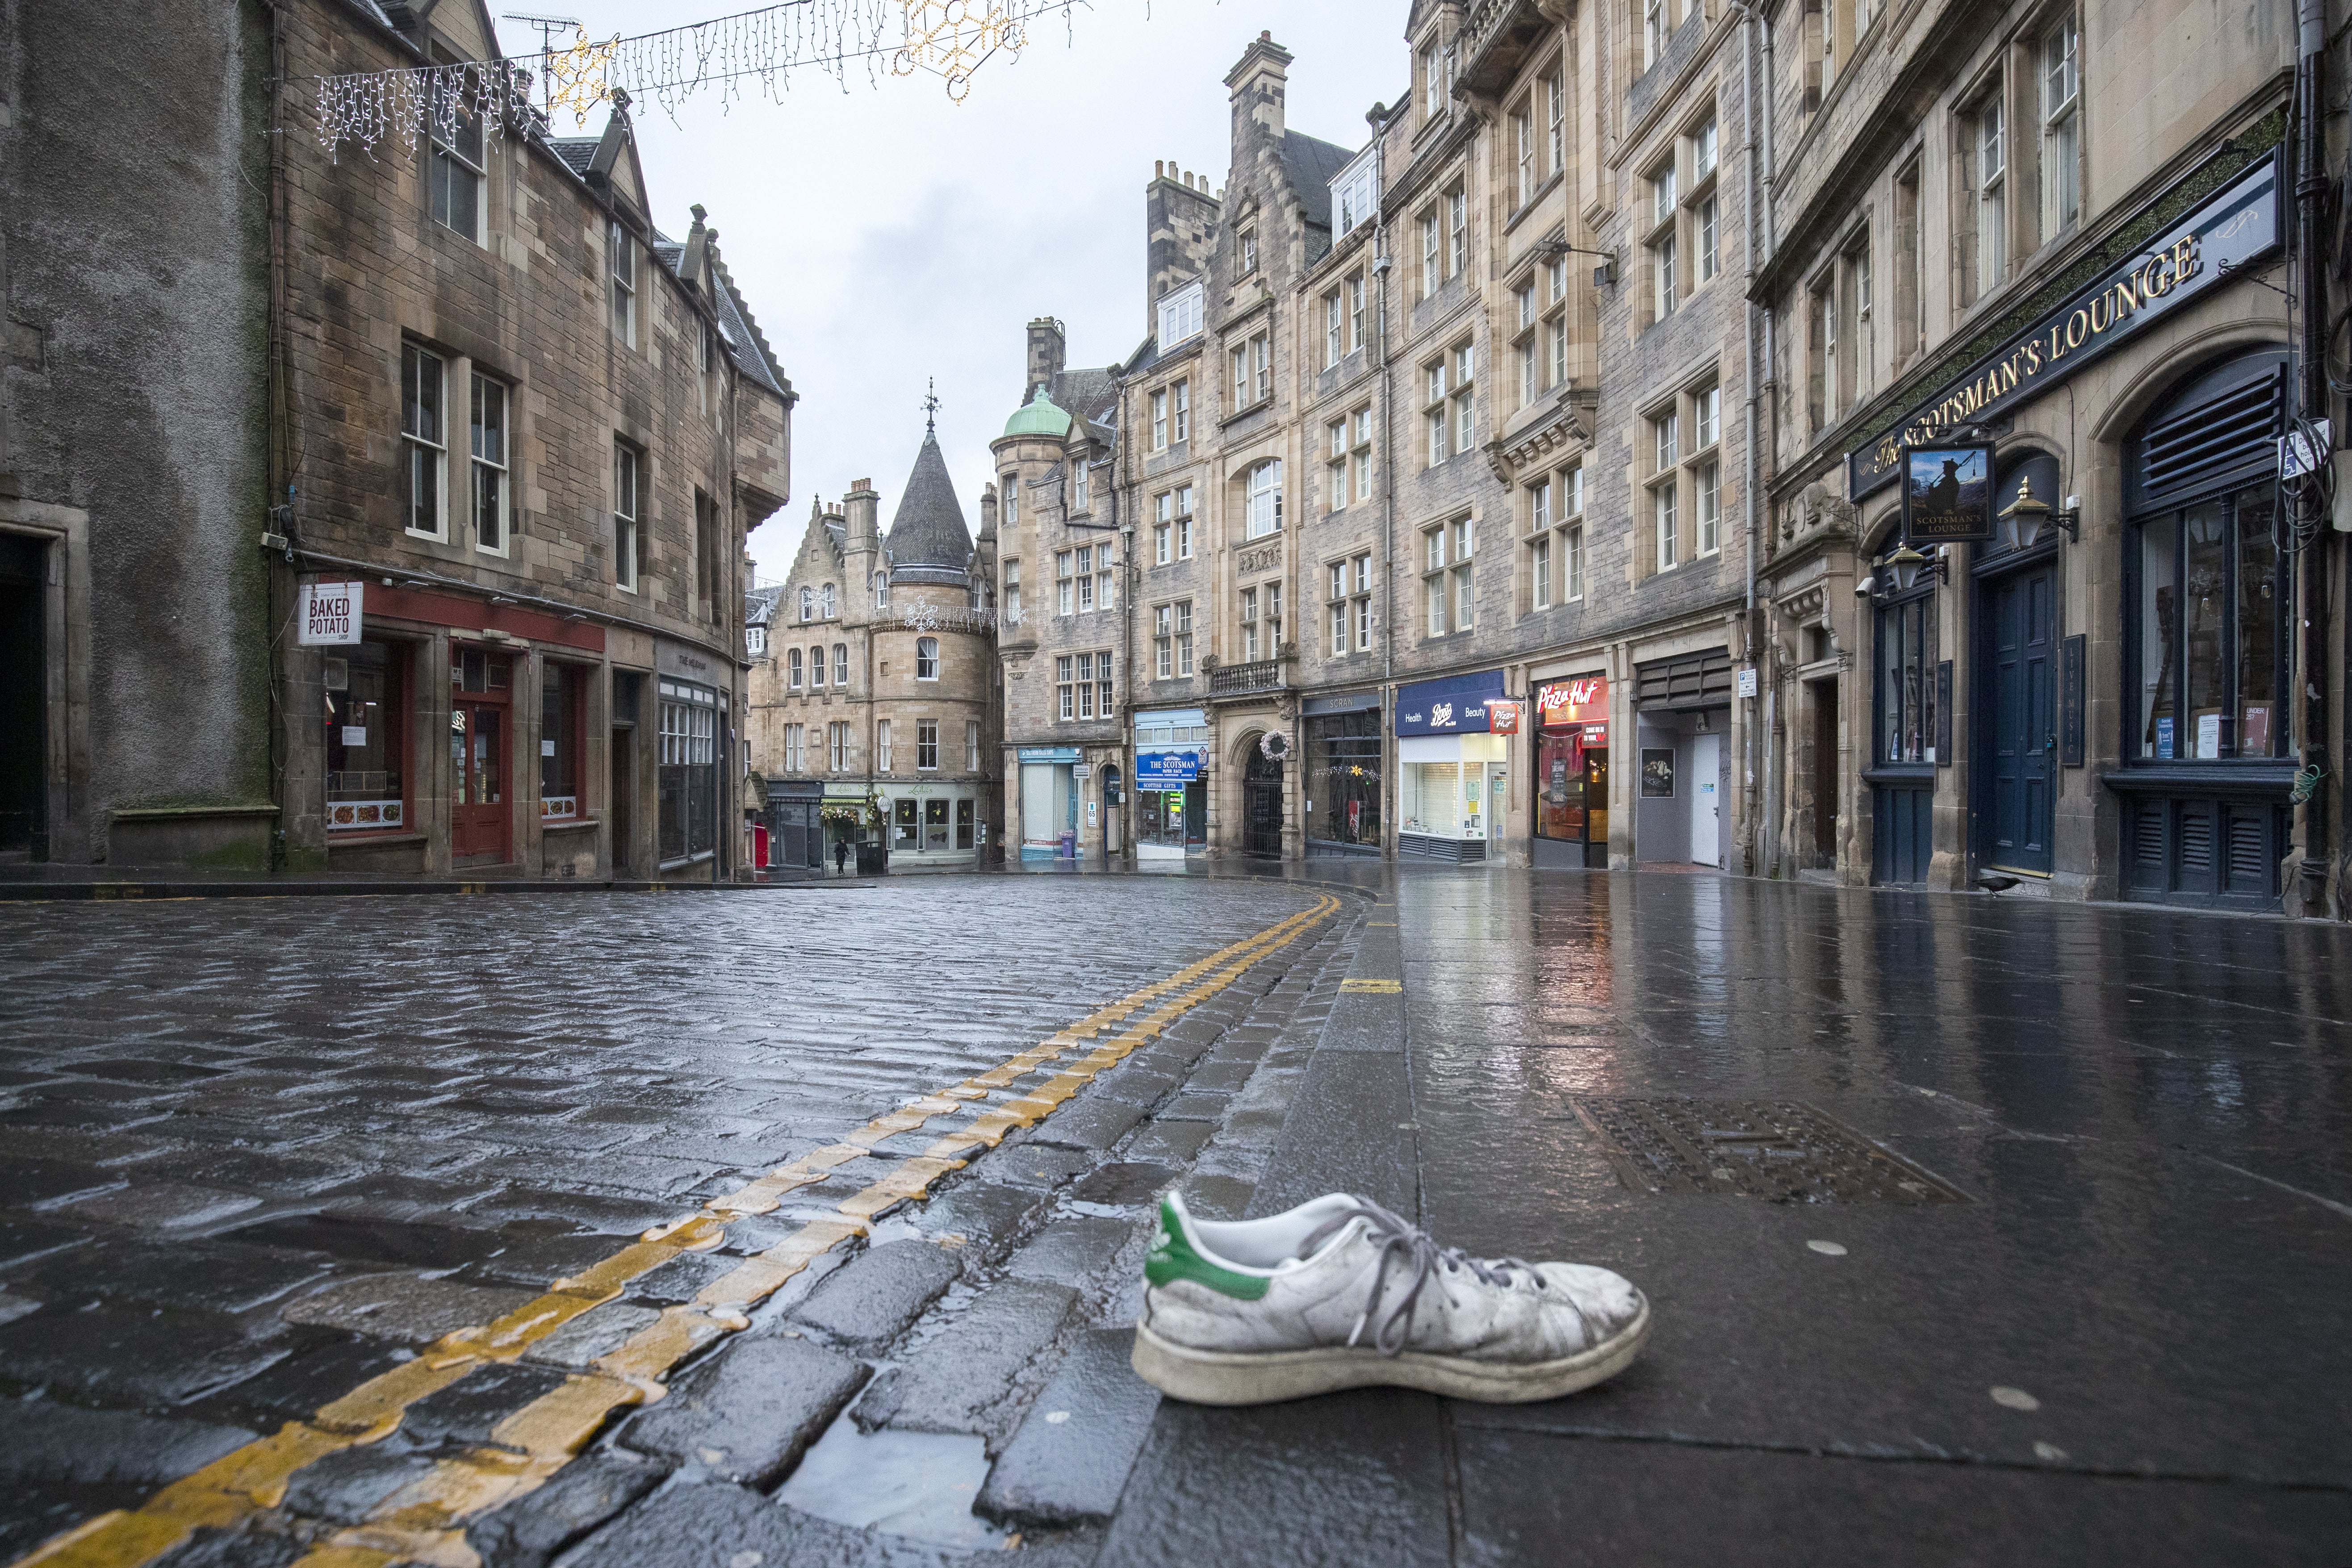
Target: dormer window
{"x":1245,"y":252}
{"x":881,"y":589}
{"x":1078,"y":484}
{"x":1180,"y":315}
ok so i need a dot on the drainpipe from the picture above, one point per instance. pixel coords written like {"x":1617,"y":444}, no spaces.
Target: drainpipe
{"x":1749,"y":759}
{"x":2311,"y":193}
{"x":280,"y":413}
{"x":1381,"y":271}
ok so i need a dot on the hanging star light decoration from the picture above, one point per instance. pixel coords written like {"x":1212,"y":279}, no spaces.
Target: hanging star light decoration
{"x":577,"y":78}
{"x":762,"y":47}
{"x":953,"y":38}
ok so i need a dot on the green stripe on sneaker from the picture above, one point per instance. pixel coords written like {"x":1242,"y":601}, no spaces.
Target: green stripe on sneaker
{"x":1173,"y":1257}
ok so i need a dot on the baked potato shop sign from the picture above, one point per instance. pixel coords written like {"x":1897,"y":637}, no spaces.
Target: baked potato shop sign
{"x":2240,"y":223}
{"x":330,"y":612}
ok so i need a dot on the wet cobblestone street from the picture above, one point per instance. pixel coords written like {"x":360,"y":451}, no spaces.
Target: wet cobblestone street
{"x":2013,"y":1225}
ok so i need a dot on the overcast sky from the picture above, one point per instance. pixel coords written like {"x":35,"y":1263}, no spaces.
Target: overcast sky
{"x":883,"y":236}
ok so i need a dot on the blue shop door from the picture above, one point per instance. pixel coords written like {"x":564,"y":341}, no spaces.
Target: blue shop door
{"x":2021,"y":655}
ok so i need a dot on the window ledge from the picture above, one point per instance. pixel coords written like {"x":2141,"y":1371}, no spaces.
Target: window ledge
{"x":566,"y":824}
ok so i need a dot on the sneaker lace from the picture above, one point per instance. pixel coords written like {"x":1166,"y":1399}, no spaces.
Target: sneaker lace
{"x":1420,"y":1253}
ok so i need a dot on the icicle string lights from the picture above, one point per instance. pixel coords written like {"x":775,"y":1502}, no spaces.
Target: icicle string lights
{"x":951,"y":38}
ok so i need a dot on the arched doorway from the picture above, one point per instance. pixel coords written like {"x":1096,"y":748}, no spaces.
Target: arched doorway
{"x":1261,"y":804}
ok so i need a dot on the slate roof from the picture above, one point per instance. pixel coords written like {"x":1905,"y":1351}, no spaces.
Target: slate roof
{"x":1311,"y":165}
{"x":577,"y":151}
{"x":1090,"y":395}
{"x":928,"y":542}
{"x":760,"y":604}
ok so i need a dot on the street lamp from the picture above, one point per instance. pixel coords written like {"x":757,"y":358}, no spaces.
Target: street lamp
{"x":2023,"y":520}
{"x":1907,"y":563}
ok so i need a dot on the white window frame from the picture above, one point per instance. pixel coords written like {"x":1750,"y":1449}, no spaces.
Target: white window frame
{"x":621,"y":266}
{"x":1262,"y":503}
{"x":424,"y":437}
{"x":629,"y":516}
{"x":491,"y":447}
{"x":1181,"y":314}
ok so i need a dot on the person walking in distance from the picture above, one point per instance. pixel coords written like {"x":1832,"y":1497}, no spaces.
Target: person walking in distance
{"x":841,"y":857}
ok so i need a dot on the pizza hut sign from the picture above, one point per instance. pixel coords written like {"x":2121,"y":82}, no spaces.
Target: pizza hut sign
{"x":1566,"y":702}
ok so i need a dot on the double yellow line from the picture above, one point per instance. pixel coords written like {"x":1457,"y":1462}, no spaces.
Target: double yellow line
{"x":423,"y":1521}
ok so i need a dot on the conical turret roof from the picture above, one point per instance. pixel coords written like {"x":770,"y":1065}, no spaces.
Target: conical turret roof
{"x":928,"y":542}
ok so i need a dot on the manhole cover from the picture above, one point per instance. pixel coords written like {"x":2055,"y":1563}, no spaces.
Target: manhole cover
{"x":1783,"y":1149}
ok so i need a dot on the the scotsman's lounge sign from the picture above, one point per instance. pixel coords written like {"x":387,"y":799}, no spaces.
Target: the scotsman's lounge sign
{"x":2240,"y":223}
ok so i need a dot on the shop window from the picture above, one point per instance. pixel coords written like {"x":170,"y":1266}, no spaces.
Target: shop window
{"x":423,"y":441}
{"x":907,"y":824}
{"x":367,"y":737}
{"x":2207,"y":638}
{"x":560,"y":742}
{"x":1907,"y":679}
{"x":686,"y":772}
{"x":964,"y":818}
{"x":1342,"y":777}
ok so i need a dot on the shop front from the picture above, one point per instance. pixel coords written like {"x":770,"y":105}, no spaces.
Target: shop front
{"x":1049,"y":802}
{"x":795,"y":829}
{"x":931,"y":824}
{"x":1571,"y":777}
{"x":1683,"y":720}
{"x":688,"y":717}
{"x":1343,"y":774}
{"x":1450,"y":768}
{"x":1171,"y":754}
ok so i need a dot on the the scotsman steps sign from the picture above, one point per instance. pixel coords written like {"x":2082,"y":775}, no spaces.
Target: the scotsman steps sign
{"x":2240,"y":223}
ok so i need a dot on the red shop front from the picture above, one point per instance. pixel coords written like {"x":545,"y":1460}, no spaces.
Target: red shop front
{"x":1571,"y":773}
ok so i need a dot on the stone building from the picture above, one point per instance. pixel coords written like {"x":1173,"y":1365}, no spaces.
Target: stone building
{"x":874,"y":707}
{"x":1063,"y":546}
{"x":471,"y":397}
{"x":1529,"y":472}
{"x":1991,"y":237}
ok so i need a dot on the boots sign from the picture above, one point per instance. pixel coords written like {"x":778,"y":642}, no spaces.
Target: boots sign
{"x":330,"y":613}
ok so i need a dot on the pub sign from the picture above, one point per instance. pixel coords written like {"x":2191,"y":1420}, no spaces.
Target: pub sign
{"x":1947,"y":492}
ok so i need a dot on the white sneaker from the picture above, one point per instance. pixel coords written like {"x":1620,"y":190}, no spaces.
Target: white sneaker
{"x":1339,"y":1293}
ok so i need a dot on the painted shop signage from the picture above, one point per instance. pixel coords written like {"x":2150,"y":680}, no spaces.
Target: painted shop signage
{"x":2240,"y":223}
{"x":331,"y":613}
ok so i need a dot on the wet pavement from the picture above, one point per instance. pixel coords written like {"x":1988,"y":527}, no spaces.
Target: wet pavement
{"x":1976,"y":1228}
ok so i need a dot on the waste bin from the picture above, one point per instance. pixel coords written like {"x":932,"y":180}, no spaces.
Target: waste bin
{"x":1068,"y":848}
{"x":873,"y":859}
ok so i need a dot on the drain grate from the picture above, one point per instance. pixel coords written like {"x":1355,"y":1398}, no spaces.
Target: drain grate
{"x":1783,"y":1149}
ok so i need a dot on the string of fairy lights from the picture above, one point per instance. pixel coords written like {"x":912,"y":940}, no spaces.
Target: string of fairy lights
{"x":756,"y":51}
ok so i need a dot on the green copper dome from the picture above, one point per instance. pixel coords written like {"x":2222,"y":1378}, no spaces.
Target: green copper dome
{"x":1038,"y":416}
